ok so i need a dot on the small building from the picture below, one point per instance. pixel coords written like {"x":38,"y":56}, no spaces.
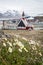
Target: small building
{"x":6,"y":23}
{"x":10,"y":24}
{"x":30,"y":19}
{"x":19,"y":24}
{"x":23,"y":25}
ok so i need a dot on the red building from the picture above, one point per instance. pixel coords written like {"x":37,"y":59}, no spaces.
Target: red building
{"x":23,"y":25}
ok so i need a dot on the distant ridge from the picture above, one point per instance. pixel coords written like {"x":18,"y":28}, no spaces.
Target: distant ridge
{"x":10,"y":14}
{"x":40,"y":14}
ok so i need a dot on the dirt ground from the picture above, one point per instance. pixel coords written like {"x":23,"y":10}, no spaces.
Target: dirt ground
{"x":34,"y":34}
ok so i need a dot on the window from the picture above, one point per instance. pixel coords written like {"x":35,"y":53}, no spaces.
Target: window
{"x":14,"y":21}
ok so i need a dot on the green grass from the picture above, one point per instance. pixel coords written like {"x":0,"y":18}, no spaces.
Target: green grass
{"x":34,"y":56}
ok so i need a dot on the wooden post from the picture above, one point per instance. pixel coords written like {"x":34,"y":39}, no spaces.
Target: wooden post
{"x":3,"y":24}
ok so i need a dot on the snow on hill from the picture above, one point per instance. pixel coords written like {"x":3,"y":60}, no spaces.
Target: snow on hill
{"x":10,"y":14}
{"x":1,"y":15}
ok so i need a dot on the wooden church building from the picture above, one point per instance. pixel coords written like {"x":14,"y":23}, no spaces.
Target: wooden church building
{"x":23,"y":25}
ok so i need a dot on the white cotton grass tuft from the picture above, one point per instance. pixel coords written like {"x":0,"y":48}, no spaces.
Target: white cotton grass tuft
{"x":24,"y":38}
{"x":34,"y":47}
{"x":20,"y":50}
{"x":25,"y":49}
{"x":40,"y":54}
{"x":14,"y":44}
{"x":16,"y":40}
{"x":9,"y":43}
{"x":4,"y":44}
{"x":37,"y":44}
{"x":32,"y":42}
{"x":17,"y":36}
{"x":10,"y":49}
{"x":20,"y":44}
{"x":5,"y":39}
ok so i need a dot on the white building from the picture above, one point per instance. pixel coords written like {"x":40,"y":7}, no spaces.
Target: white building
{"x":8,"y":23}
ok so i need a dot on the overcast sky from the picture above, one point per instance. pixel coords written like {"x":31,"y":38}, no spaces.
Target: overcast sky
{"x":31,"y":7}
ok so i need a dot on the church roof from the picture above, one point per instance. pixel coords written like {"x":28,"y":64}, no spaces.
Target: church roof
{"x":24,"y":21}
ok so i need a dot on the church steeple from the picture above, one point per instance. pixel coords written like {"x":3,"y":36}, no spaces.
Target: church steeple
{"x":23,"y":14}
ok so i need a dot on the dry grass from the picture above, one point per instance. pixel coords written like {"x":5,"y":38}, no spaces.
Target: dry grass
{"x":17,"y":50}
{"x":35,"y":35}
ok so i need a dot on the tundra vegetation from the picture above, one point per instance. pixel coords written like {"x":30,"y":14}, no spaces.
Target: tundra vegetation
{"x":20,"y":51}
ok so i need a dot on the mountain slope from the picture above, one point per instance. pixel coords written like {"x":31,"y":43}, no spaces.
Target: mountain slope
{"x":10,"y":14}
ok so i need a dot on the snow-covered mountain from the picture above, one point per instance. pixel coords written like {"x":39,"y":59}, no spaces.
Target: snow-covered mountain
{"x":1,"y":15}
{"x":10,"y":14}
